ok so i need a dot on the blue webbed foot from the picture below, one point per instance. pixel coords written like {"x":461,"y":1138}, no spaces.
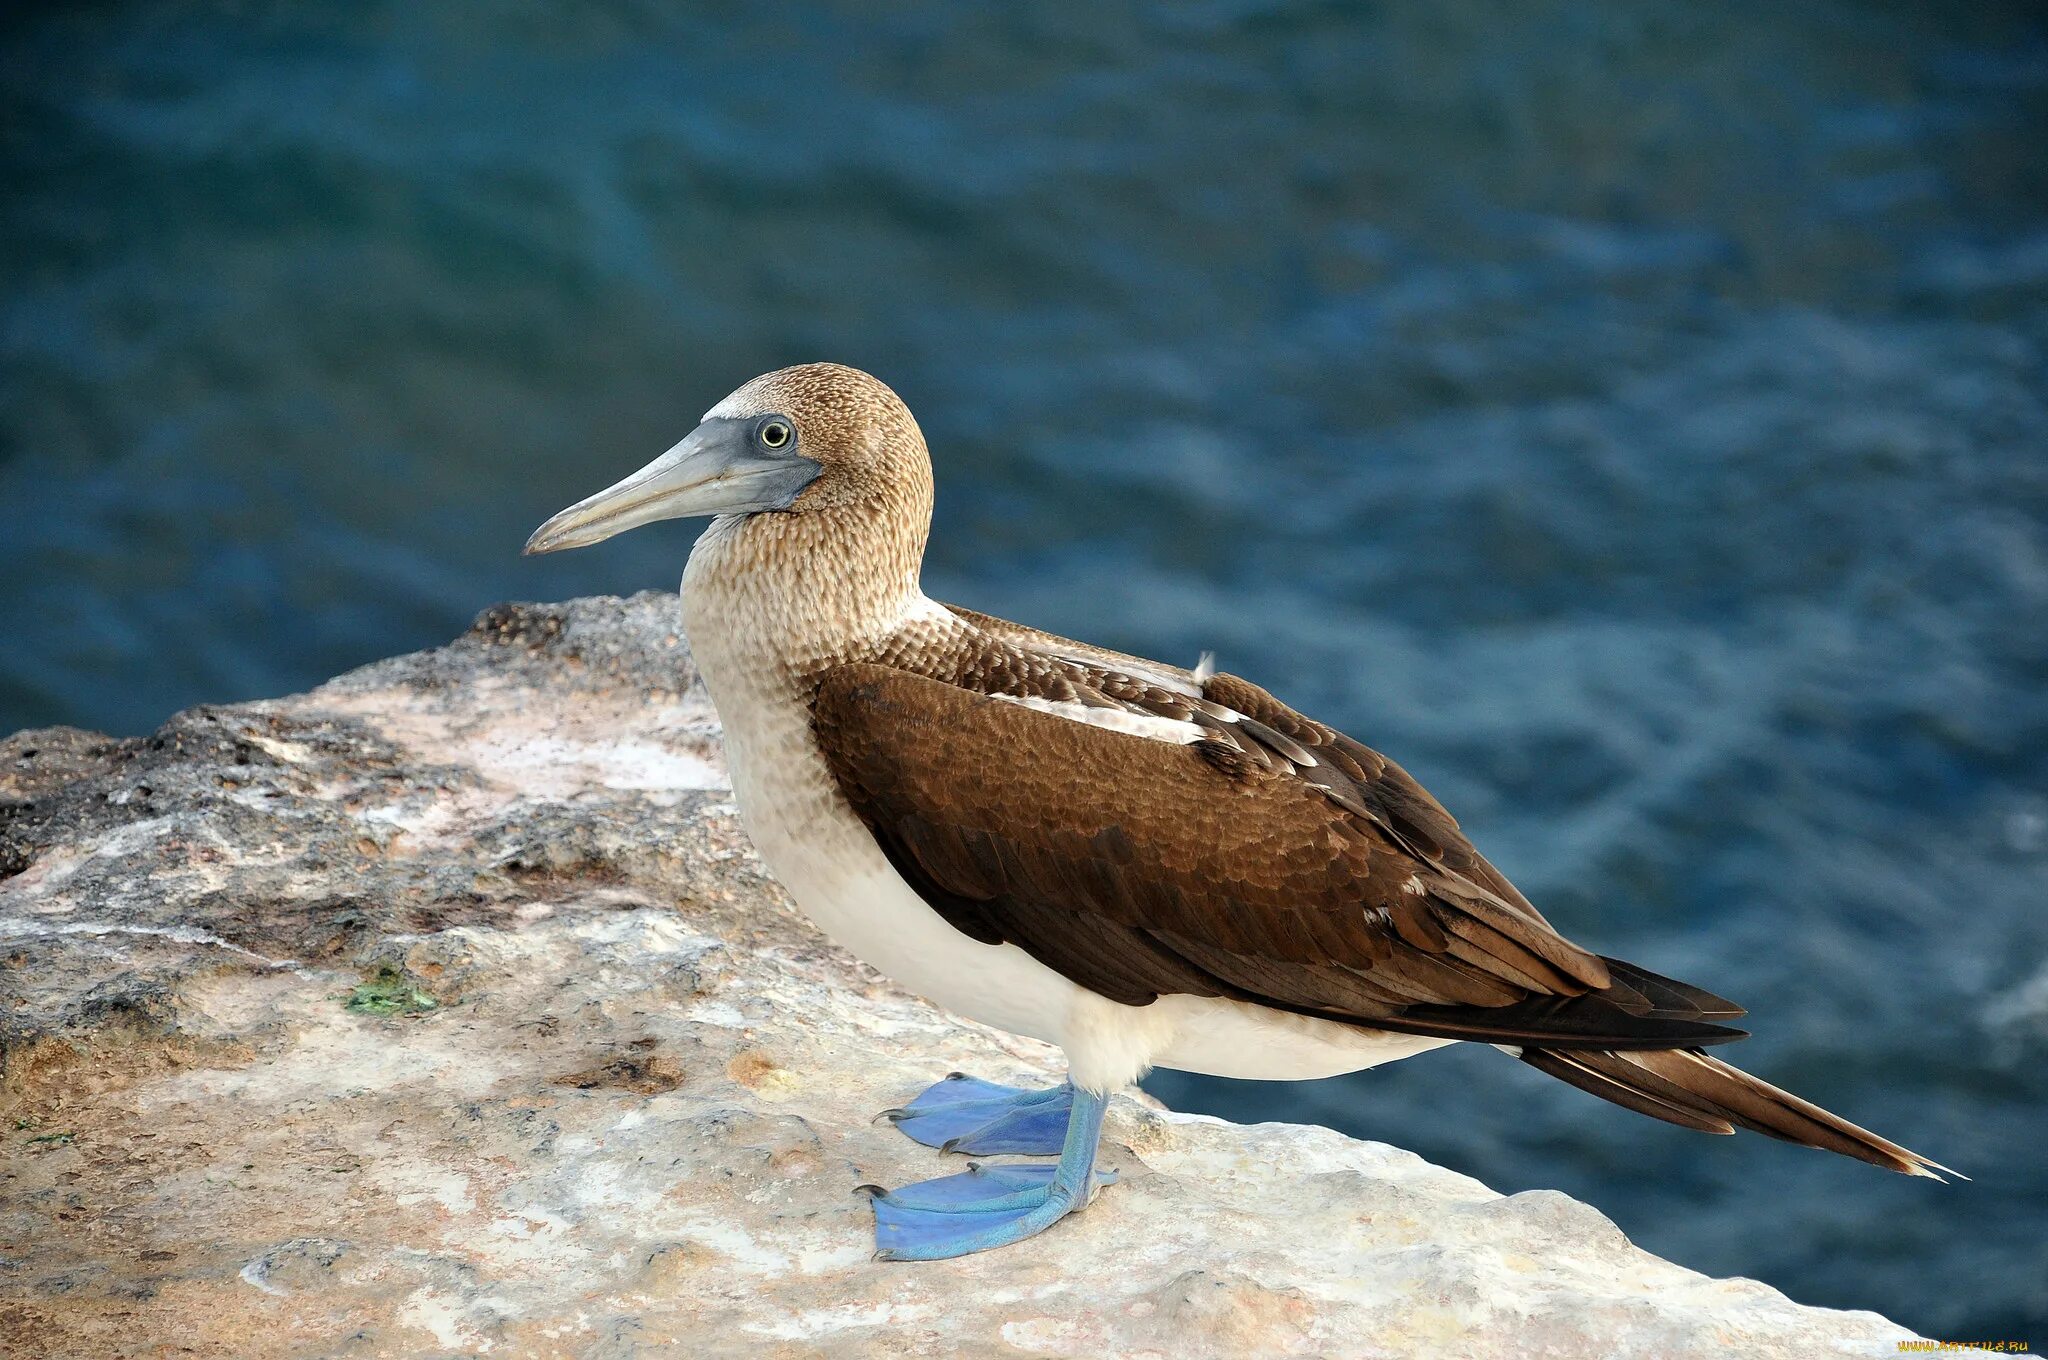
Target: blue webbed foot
{"x":993,"y":1206}
{"x":966,"y":1114}
{"x":982,"y":1207}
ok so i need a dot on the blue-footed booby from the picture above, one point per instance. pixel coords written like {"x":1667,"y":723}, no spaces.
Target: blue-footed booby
{"x":1144,"y":864}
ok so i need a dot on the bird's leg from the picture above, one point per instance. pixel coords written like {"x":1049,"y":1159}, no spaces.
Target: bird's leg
{"x":992,"y":1206}
{"x":966,"y":1114}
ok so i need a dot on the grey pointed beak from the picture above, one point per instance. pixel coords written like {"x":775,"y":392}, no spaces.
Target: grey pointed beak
{"x":718,"y":469}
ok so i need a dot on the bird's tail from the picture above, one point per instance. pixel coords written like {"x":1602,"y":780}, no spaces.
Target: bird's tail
{"x":1687,"y":1087}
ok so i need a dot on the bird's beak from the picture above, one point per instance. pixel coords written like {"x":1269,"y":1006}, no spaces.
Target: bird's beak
{"x":718,"y":469}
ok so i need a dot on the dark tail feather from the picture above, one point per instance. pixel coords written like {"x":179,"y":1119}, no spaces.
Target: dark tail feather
{"x":1687,"y":1087}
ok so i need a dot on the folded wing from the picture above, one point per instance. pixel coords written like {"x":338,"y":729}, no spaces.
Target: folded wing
{"x":1268,"y":859}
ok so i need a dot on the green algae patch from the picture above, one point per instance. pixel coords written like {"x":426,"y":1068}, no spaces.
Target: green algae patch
{"x":389,"y":992}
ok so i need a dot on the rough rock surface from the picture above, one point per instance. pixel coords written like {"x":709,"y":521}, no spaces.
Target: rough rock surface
{"x":443,"y":1010}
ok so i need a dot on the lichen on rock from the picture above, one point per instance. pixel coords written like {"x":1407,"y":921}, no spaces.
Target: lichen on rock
{"x":444,"y":1010}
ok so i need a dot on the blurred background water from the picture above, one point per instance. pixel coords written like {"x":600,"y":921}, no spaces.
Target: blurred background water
{"x":1635,"y":419}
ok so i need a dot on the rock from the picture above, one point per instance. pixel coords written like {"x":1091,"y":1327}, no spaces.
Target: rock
{"x":444,"y":1010}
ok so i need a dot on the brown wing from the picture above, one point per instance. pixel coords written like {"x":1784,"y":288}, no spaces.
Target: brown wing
{"x":1139,"y":868}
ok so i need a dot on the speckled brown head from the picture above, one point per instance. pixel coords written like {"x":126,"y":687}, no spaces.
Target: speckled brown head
{"x":795,"y":442}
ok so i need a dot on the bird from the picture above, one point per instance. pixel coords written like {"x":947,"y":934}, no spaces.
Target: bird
{"x":1144,"y":864}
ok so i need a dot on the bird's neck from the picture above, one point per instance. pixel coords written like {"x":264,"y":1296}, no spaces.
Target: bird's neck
{"x":779,"y":597}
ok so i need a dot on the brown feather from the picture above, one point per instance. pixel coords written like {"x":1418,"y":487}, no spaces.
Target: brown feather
{"x":1573,"y":1068}
{"x":1585,"y":968}
{"x":1685,"y":1086}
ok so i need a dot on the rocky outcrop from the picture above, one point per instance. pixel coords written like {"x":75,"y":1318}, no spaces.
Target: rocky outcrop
{"x":444,"y":1011}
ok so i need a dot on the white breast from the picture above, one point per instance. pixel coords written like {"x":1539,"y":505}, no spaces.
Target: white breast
{"x":820,"y":851}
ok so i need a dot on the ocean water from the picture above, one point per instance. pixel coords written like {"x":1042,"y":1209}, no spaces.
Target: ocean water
{"x":1634,"y":419}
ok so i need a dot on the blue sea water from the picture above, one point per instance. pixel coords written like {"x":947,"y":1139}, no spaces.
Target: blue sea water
{"x":1632,"y":418}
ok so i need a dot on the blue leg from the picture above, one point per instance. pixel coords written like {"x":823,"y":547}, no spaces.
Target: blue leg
{"x":966,"y":1114}
{"x":991,"y":1206}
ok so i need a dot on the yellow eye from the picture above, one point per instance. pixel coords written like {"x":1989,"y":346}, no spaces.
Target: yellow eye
{"x":776,"y":434}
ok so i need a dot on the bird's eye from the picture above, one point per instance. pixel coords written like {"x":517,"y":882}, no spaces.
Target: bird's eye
{"x":775,"y":434}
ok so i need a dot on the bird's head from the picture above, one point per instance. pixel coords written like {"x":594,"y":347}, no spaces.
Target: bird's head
{"x":792,"y":442}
